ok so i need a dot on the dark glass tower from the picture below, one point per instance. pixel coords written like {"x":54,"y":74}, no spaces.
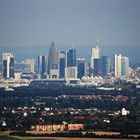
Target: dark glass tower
{"x":97,"y":67}
{"x":102,"y":66}
{"x":42,"y":65}
{"x":71,"y":58}
{"x":81,"y":68}
{"x":106,"y":65}
{"x":62,"y":64}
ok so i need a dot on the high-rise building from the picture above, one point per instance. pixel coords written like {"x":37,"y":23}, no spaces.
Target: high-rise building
{"x":71,"y":72}
{"x":98,"y":67}
{"x":124,"y":66}
{"x":118,"y":59}
{"x":81,"y":67}
{"x":71,"y":69}
{"x":30,"y":65}
{"x":53,"y":61}
{"x":62,"y":64}
{"x":71,"y":58}
{"x":106,"y":65}
{"x":102,"y":66}
{"x":121,"y":65}
{"x":95,"y":54}
{"x":8,"y":67}
{"x":42,"y":66}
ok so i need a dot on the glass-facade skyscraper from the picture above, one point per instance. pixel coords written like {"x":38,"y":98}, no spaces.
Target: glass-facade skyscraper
{"x":106,"y":65}
{"x":71,"y":58}
{"x":42,"y":65}
{"x":102,"y":66}
{"x":124,"y":66}
{"x":97,"y":67}
{"x":81,"y":68}
{"x":62,"y":64}
{"x":121,"y":65}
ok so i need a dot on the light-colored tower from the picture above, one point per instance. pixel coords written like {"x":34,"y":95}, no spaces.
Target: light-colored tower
{"x":53,"y":56}
{"x":121,"y":65}
{"x":118,"y":64}
{"x":53,"y":62}
{"x":8,"y":68}
{"x":30,"y":65}
{"x":71,"y":72}
{"x":95,"y":54}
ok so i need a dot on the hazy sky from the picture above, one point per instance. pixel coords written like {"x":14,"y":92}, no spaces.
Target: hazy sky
{"x":35,"y":22}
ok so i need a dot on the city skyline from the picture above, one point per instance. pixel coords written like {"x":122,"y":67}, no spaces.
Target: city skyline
{"x":65,"y":64}
{"x":36,"y":22}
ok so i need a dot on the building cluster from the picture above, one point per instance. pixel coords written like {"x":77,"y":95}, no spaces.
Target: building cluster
{"x":66,"y":64}
{"x":58,"y":65}
{"x":59,"y":127}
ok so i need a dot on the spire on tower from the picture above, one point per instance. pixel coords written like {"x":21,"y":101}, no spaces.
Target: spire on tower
{"x":97,"y":42}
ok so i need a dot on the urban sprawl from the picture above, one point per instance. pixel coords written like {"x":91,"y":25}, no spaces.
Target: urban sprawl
{"x":62,"y":93}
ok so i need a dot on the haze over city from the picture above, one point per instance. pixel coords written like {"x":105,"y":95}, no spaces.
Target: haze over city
{"x":35,"y":23}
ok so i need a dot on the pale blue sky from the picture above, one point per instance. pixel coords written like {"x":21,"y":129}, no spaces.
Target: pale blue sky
{"x":37,"y":22}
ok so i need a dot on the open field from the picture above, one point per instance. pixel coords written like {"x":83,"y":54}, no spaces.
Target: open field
{"x":5,"y":136}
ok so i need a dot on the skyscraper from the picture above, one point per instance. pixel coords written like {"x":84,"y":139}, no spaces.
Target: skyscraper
{"x":71,"y":58}
{"x":71,"y":69}
{"x":124,"y":66}
{"x":53,"y":60}
{"x":98,"y":67}
{"x":8,"y":67}
{"x":81,"y":68}
{"x":106,"y":65}
{"x":62,"y":64}
{"x":95,"y":54}
{"x":118,"y":65}
{"x":42,"y":66}
{"x":121,"y":65}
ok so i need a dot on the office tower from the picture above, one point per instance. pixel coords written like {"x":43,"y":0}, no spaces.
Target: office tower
{"x":95,"y":54}
{"x":118,"y":65}
{"x":8,"y":68}
{"x":71,"y":69}
{"x":42,"y":66}
{"x":121,"y":65}
{"x":71,"y":58}
{"x":62,"y":64}
{"x":106,"y":65}
{"x":30,"y":65}
{"x":97,"y":67}
{"x":124,"y":66}
{"x":71,"y":72}
{"x":81,"y":68}
{"x":53,"y":60}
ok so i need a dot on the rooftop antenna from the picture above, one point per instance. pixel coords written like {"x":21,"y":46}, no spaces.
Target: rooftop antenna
{"x":97,"y":42}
